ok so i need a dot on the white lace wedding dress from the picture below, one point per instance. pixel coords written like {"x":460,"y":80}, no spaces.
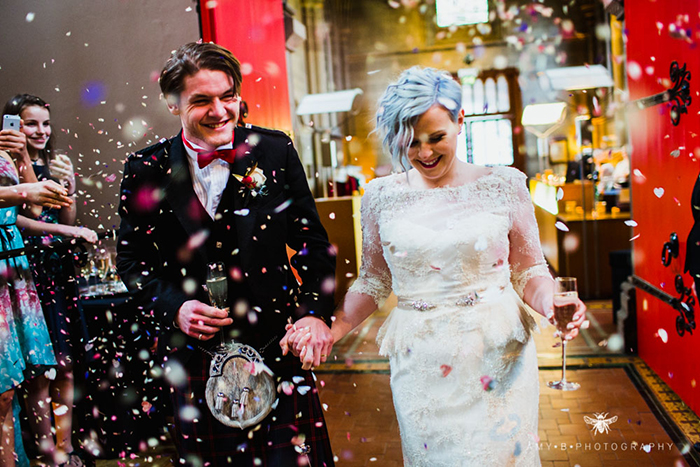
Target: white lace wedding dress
{"x":457,"y":258}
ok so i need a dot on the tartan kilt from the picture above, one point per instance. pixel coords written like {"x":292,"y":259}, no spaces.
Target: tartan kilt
{"x":205,"y":441}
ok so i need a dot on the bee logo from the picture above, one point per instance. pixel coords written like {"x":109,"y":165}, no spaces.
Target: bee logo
{"x":600,"y":423}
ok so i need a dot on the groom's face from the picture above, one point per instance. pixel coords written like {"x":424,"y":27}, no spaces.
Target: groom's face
{"x":208,"y":108}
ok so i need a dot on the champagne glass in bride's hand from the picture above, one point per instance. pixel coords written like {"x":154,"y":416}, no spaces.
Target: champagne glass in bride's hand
{"x":565,"y":303}
{"x":217,"y":286}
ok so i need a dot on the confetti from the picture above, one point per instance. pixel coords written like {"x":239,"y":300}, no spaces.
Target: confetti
{"x":487,"y":383}
{"x":30,"y":17}
{"x":663,"y":335}
{"x":561,"y":226}
{"x":284,"y":206}
{"x":189,"y":413}
{"x":659,"y":192}
{"x":615,"y":342}
{"x":634,"y":70}
{"x":286,"y":387}
{"x":445,"y":369}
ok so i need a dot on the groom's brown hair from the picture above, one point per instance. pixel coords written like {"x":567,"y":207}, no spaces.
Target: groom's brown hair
{"x":188,"y":59}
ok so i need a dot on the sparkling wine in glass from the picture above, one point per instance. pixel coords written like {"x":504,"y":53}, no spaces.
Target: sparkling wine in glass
{"x":217,"y":286}
{"x":565,"y":298}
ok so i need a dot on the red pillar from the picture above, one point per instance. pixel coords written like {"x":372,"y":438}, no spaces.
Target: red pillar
{"x":254,"y":32}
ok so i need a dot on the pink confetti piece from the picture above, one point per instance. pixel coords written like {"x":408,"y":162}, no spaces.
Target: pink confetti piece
{"x":445,"y":369}
{"x":487,"y":383}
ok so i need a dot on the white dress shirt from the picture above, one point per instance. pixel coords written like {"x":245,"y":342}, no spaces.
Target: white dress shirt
{"x":208,"y":183}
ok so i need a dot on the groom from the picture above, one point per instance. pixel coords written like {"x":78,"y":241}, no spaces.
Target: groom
{"x":218,"y":192}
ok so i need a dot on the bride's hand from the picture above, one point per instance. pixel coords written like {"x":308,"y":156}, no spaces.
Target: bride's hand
{"x":309,"y":339}
{"x":292,"y":338}
{"x":579,"y":321}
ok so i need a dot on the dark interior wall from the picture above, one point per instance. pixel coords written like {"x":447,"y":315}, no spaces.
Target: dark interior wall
{"x":96,"y":63}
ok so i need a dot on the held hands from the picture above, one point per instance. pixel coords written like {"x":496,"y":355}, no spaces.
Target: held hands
{"x":201,"y":321}
{"x":579,"y":320}
{"x":310,"y":340}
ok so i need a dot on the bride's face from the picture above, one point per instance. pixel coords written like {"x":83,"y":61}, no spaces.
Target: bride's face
{"x":434,"y":147}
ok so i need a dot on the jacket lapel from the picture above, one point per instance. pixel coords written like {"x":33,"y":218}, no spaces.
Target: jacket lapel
{"x":244,"y":210}
{"x":179,"y":193}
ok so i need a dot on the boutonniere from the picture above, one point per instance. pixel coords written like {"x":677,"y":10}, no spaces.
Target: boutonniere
{"x":253,"y":180}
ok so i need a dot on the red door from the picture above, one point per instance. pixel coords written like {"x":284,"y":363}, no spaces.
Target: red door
{"x":665,"y":166}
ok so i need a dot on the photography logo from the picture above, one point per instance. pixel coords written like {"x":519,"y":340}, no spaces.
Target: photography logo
{"x":600,"y":423}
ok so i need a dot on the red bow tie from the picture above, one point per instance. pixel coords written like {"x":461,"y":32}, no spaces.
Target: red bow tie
{"x":204,"y":158}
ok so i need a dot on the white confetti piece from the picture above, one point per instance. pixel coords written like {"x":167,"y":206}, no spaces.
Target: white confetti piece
{"x":30,"y":17}
{"x":663,"y":335}
{"x":615,"y":343}
{"x":659,"y":192}
{"x":631,"y":223}
{"x":634,"y":70}
{"x":561,"y":226}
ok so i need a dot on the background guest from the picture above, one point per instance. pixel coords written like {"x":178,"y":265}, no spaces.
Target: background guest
{"x":55,"y":279}
{"x":24,"y":338}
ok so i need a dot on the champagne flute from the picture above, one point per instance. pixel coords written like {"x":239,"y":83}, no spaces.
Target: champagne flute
{"x":565,"y":297}
{"x":217,"y":286}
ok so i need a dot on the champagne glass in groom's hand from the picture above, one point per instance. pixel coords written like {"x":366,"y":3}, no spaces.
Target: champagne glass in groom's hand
{"x":217,"y":286}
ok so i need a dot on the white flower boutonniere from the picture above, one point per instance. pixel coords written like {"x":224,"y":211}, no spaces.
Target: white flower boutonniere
{"x":254,"y":180}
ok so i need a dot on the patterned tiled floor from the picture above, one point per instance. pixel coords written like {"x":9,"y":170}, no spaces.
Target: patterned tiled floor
{"x":356,"y":389}
{"x":364,"y":431}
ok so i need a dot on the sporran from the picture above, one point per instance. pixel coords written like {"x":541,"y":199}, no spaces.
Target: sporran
{"x":240,"y":390}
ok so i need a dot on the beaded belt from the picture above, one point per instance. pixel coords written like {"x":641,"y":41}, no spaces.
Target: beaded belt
{"x":470,"y":299}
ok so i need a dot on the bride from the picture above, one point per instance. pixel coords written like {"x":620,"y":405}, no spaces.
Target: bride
{"x":458,"y":244}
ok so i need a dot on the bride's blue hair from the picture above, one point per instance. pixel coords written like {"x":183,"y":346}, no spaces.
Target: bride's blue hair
{"x":404,"y":101}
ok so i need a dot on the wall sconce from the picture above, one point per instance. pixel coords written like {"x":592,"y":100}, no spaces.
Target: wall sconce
{"x":573,"y":78}
{"x":542,"y":120}
{"x":329,"y":102}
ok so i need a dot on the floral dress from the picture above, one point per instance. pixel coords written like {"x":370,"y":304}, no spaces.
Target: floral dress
{"x":24,"y":338}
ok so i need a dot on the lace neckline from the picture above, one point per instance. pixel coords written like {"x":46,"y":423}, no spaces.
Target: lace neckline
{"x":403,"y":184}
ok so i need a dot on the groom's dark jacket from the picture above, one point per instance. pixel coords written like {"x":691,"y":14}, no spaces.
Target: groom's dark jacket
{"x":166,"y":239}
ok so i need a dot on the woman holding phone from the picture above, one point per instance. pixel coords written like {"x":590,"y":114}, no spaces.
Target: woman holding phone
{"x":55,"y":281}
{"x":25,"y":345}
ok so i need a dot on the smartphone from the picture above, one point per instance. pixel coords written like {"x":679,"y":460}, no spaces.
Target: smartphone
{"x":10,"y":122}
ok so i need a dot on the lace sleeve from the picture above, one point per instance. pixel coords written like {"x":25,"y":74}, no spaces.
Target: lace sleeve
{"x":526,"y":257}
{"x":375,"y":278}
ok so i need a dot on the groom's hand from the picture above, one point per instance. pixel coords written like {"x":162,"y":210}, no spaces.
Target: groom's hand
{"x":310,"y":339}
{"x":201,"y":321}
